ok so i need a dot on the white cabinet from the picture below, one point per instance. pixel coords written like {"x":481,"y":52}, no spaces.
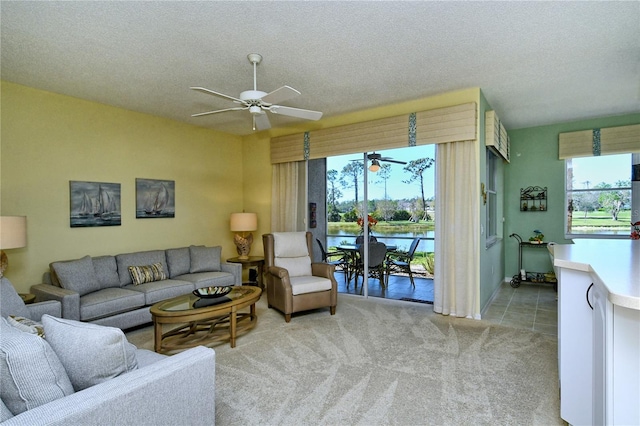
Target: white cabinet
{"x":616,"y":361}
{"x":575,"y":347}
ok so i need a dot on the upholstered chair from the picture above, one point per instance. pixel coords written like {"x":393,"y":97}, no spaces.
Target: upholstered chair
{"x":11,"y":304}
{"x":294,"y":283}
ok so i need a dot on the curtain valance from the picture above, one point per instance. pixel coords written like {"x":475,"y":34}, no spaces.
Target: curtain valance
{"x":595,"y":142}
{"x":456,"y":123}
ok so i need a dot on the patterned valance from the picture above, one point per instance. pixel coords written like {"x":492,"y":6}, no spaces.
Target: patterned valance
{"x":456,"y":123}
{"x":595,"y":142}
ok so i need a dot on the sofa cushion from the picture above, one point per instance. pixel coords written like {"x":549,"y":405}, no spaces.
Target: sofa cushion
{"x":208,"y":279}
{"x":296,"y":266}
{"x":90,"y":353}
{"x":26,"y":325}
{"x":106,"y":270}
{"x":135,"y":259}
{"x":178,"y":261}
{"x":147,"y":273}
{"x":108,"y":302}
{"x":77,"y":275}
{"x":5,"y":413}
{"x":156,"y":291}
{"x":205,"y":259}
{"x":11,"y":302}
{"x":31,"y":373}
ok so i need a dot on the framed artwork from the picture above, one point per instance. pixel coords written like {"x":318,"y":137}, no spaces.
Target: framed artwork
{"x":155,"y":198}
{"x":94,"y":204}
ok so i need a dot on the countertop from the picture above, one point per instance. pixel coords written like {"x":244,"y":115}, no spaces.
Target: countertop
{"x":614,"y":263}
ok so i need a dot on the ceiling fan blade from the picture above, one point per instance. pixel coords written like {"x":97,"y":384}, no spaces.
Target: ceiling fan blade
{"x":388,"y":160}
{"x":261,"y":121}
{"x":220,"y":110}
{"x":222,"y":95}
{"x":295,"y":112}
{"x":280,"y":95}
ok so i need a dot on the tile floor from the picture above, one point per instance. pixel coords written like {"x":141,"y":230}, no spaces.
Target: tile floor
{"x":530,"y":306}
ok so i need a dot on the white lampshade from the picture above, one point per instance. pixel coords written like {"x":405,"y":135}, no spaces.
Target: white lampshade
{"x":375,"y":166}
{"x":243,"y":222}
{"x":13,"y":232}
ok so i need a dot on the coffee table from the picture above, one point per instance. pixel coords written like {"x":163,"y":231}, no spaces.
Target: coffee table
{"x":204,"y":321}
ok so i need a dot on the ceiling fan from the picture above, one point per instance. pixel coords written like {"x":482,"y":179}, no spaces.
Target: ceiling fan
{"x":258,"y":102}
{"x":375,"y":161}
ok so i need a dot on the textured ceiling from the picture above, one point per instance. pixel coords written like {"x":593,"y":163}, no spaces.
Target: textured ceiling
{"x":536,"y":62}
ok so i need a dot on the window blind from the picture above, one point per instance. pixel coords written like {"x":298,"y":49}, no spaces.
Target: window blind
{"x":449,"y":124}
{"x":594,"y":142}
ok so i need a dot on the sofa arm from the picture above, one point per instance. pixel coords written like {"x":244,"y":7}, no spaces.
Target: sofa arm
{"x":50,"y":307}
{"x":176,"y":390}
{"x":233,"y":268}
{"x":70,"y":300}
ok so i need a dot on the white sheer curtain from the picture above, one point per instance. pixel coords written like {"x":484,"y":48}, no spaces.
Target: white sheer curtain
{"x":456,"y":282}
{"x":284,"y":197}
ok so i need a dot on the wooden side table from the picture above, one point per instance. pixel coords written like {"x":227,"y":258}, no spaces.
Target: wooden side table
{"x":27,"y":298}
{"x":253,"y":261}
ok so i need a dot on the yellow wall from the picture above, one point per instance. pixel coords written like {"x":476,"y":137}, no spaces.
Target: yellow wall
{"x":48,"y":140}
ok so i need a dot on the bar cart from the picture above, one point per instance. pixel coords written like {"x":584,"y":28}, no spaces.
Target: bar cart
{"x":531,"y":277}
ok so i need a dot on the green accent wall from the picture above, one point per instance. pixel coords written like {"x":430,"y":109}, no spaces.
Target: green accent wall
{"x":534,"y":162}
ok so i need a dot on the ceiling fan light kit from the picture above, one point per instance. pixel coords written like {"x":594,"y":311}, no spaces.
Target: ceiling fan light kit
{"x":257,"y":101}
{"x":375,"y":161}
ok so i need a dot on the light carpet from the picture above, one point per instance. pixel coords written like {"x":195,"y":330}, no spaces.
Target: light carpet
{"x":379,"y":362}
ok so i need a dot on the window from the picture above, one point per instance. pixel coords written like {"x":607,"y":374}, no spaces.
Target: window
{"x":598,"y":196}
{"x":492,"y":199}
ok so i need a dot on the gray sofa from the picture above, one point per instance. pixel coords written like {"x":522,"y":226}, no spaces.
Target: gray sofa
{"x":45,"y":381}
{"x":101,"y":289}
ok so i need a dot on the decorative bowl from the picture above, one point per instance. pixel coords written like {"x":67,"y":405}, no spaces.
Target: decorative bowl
{"x":212,"y":292}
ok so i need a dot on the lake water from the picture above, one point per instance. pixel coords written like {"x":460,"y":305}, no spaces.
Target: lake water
{"x":398,"y":239}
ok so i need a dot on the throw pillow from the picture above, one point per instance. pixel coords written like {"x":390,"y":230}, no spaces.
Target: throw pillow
{"x":205,"y":259}
{"x":147,"y":273}
{"x":90,"y":353}
{"x":77,"y":275}
{"x":26,"y":324}
{"x":31,"y":373}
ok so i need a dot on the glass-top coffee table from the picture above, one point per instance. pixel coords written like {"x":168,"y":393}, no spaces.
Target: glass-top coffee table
{"x":203,"y":321}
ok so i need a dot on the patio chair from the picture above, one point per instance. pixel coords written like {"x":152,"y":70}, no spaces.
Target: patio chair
{"x":377,"y":255}
{"x":294,"y":284}
{"x":401,"y":262}
{"x":341,"y":262}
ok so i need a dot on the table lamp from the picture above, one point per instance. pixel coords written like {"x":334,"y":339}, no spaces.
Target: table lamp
{"x":243,"y":223}
{"x":13,"y":234}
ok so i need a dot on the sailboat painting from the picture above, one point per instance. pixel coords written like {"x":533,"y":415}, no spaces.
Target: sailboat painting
{"x":155,"y":198}
{"x":94,"y":204}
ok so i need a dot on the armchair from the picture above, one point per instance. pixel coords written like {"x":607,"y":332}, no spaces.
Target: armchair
{"x":11,"y":304}
{"x":294,"y":284}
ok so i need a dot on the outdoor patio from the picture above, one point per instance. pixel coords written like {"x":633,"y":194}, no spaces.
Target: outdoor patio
{"x":399,"y":288}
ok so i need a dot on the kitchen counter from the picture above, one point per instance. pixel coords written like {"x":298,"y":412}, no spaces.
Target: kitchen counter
{"x":614,"y":263}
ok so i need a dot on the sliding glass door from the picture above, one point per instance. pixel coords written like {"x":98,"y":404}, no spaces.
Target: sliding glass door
{"x":390,"y":196}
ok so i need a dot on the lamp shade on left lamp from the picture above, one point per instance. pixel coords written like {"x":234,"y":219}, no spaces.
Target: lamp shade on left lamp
{"x":243,"y":223}
{"x":13,"y":234}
